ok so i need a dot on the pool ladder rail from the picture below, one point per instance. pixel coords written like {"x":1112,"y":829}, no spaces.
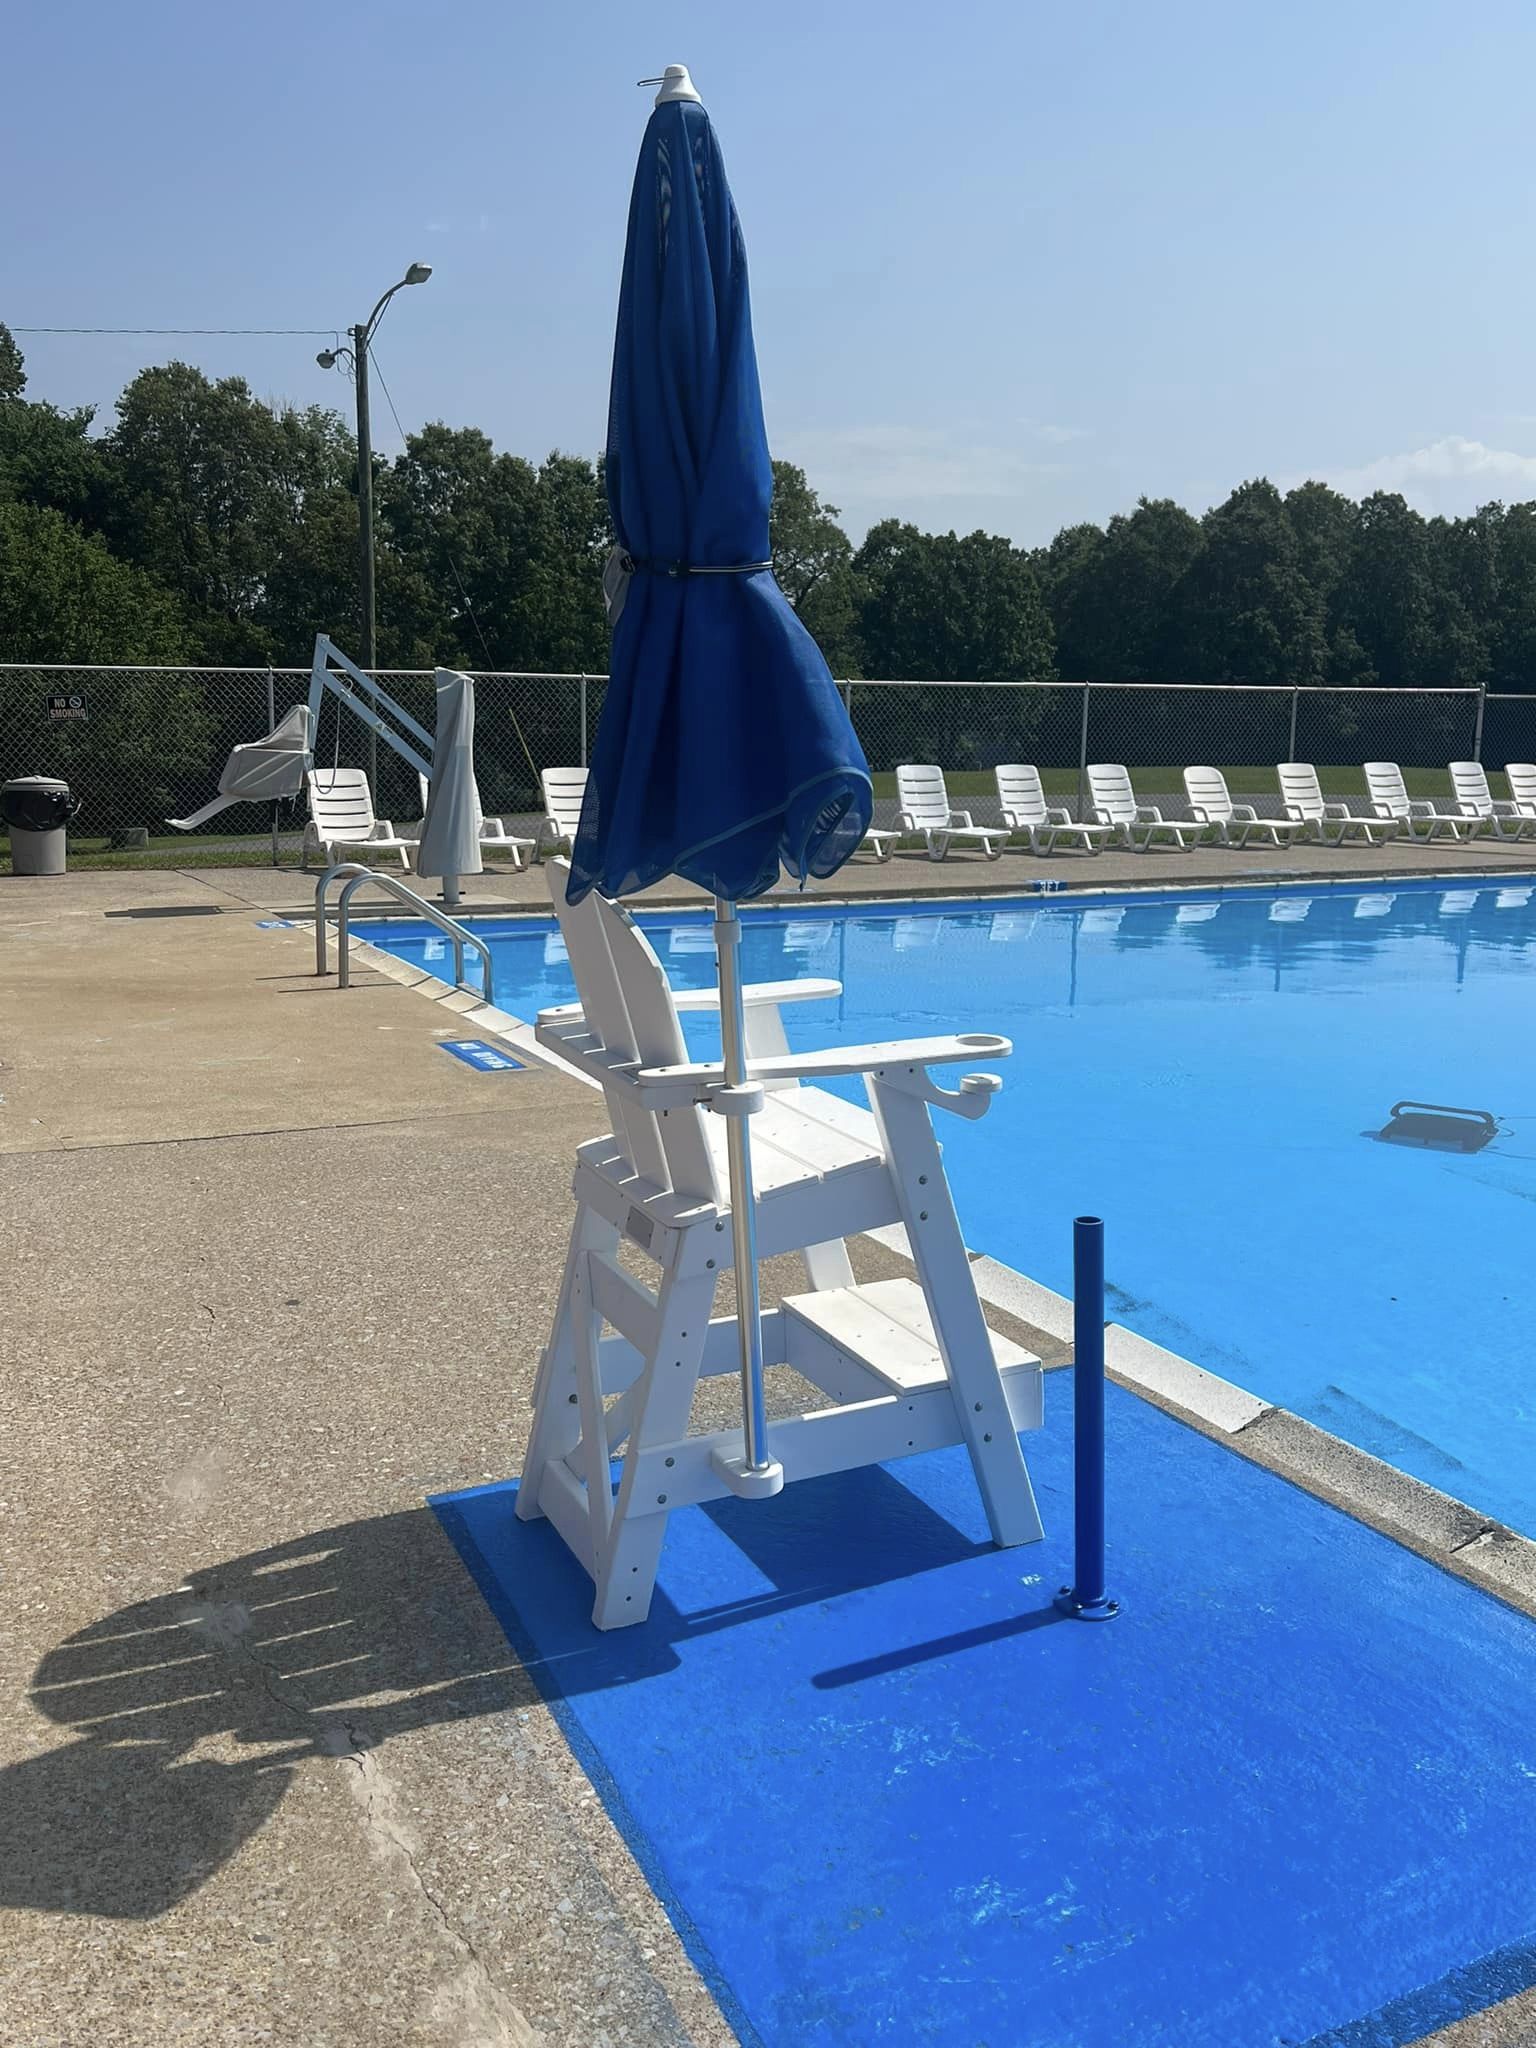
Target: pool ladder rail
{"x":356,"y":874}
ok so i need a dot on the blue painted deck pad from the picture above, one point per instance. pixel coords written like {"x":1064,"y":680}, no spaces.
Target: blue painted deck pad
{"x":1288,"y":1797}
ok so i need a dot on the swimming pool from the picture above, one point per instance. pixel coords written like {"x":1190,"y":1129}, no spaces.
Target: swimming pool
{"x":1207,"y":1072}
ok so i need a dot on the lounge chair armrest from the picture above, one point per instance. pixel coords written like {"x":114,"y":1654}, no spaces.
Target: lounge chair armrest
{"x":768,"y":992}
{"x":1149,"y":814}
{"x":664,"y":1087}
{"x":1502,"y":809}
{"x":1420,"y":807}
{"x":906,"y":821}
{"x":1058,"y":814}
{"x":1246,"y":813}
{"x":1330,"y":810}
{"x":381,"y":828}
{"x":1199,"y":814}
{"x":961,"y":820}
{"x":1008,"y":818}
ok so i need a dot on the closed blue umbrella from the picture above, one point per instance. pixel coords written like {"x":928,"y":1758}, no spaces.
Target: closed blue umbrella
{"x":724,"y":752}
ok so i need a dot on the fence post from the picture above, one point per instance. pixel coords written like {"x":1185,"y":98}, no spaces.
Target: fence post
{"x":1295,"y":701}
{"x":583,"y":721}
{"x":1477,"y":730}
{"x":1082,"y":760}
{"x":271,"y":723}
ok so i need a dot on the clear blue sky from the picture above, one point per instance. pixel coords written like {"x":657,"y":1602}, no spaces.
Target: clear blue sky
{"x":1013,"y":265}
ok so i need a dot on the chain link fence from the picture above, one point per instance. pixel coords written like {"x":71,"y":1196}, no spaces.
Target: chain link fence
{"x":147,"y":744}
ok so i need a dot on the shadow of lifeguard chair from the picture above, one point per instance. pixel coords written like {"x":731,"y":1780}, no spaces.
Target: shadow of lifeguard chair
{"x":908,"y":1364}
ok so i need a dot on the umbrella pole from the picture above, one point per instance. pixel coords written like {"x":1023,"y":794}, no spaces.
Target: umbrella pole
{"x":749,"y":1323}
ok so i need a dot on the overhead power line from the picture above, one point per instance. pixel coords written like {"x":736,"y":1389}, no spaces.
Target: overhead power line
{"x":174,"y":330}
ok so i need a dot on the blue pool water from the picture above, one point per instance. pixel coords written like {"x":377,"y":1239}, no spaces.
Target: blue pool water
{"x":1203,"y":1073}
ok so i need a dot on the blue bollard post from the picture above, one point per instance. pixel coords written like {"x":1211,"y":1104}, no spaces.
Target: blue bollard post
{"x":1085,"y":1599}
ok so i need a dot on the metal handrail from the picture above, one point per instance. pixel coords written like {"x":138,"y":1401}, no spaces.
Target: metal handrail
{"x":356,"y":873}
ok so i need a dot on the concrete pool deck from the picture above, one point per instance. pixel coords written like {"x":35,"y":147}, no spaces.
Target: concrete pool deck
{"x":239,"y":1375}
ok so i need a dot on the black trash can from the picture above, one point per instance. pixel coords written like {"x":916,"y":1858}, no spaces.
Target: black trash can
{"x":35,"y":809}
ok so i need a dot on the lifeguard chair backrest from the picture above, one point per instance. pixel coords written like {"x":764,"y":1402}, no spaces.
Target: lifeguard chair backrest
{"x":602,"y":1001}
{"x":920,"y":790}
{"x":1300,"y":789}
{"x":629,"y":1009}
{"x":659,"y":1042}
{"x":1019,"y":792}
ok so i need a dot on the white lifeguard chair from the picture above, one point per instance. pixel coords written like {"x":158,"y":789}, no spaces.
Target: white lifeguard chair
{"x":909,"y":1364}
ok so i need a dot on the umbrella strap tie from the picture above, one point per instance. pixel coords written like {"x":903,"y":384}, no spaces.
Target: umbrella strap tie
{"x":634,"y":562}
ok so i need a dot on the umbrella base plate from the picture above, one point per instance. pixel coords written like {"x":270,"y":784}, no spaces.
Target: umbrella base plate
{"x":748,"y":1482}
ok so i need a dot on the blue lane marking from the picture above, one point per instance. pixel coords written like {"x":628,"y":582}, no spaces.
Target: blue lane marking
{"x":887,"y":1795}
{"x":485,"y":1059}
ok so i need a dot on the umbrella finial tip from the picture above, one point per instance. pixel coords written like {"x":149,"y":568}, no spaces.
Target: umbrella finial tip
{"x":675,"y":84}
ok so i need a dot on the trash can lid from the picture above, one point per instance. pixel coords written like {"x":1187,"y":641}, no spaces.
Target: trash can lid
{"x":37,"y":782}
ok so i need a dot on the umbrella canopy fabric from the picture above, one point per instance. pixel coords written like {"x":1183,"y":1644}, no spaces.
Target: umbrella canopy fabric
{"x":450,"y":832}
{"x":724,"y":749}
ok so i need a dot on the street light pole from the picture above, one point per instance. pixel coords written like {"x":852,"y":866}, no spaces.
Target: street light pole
{"x":362,"y":338}
{"x":369,"y":620}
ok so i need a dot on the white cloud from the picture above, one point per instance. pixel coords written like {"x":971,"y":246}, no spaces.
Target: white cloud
{"x":1054,"y":436}
{"x":899,"y":464}
{"x":1453,"y":475}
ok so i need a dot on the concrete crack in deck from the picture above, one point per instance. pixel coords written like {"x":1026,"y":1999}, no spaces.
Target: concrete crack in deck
{"x":470,"y":2010}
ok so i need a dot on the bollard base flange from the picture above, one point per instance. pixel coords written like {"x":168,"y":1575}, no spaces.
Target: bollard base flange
{"x":1102,"y":1609}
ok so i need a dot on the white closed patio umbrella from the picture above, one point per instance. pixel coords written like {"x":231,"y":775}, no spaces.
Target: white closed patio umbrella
{"x":450,"y":832}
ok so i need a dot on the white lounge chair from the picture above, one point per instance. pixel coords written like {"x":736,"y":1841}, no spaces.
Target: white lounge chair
{"x":341,"y":815}
{"x":1472,"y":798}
{"x":564,"y":790}
{"x":1113,"y":802}
{"x":493,"y":832}
{"x":1521,"y":777}
{"x":1302,"y":795}
{"x":1022,"y":807}
{"x":1210,"y":803}
{"x":1389,"y":798}
{"x":925,"y":810}
{"x":908,"y":1364}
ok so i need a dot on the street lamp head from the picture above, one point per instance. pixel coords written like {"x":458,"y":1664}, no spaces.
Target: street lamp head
{"x":418,"y":273}
{"x":326,"y":359}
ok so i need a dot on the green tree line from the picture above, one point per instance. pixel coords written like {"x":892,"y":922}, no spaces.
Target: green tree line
{"x":204,"y":526}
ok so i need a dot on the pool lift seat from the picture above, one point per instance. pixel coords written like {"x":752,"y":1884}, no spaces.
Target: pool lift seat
{"x":908,"y":1363}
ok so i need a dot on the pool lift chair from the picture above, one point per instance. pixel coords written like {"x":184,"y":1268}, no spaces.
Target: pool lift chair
{"x":340,"y":800}
{"x":908,"y":1364}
